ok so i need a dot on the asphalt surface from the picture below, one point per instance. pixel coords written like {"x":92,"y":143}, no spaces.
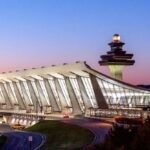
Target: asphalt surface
{"x":17,"y":140}
{"x":20,"y":140}
{"x":98,"y":127}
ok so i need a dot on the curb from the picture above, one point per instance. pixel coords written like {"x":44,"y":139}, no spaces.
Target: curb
{"x":42,"y":143}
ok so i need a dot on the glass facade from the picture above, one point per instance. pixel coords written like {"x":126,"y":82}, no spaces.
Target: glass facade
{"x":76,"y":89}
{"x":2,"y":99}
{"x":52,"y":89}
{"x":45,"y":95}
{"x":90,"y":91}
{"x":65,"y":92}
{"x":55,"y":93}
{"x":122,"y":96}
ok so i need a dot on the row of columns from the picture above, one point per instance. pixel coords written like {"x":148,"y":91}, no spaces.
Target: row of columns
{"x":37,"y":94}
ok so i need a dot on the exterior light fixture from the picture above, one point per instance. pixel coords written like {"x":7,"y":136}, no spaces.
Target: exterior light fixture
{"x":116,"y":38}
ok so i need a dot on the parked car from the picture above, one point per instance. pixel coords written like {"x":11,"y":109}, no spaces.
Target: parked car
{"x":18,"y":126}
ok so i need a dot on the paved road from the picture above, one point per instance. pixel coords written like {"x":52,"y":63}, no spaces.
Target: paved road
{"x":99,"y":128}
{"x":17,"y":140}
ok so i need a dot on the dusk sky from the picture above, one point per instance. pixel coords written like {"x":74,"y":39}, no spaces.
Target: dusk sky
{"x":35,"y":33}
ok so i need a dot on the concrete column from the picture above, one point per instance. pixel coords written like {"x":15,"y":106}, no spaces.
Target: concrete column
{"x":12,"y":95}
{"x":20,"y":91}
{"x":25,"y":91}
{"x":9,"y":103}
{"x":73,"y":98}
{"x":19,"y":97}
{"x":36,"y":92}
{"x":34,"y":97}
{"x":2,"y":100}
{"x":98,"y":93}
{"x":42,"y":95}
{"x":53,"y":101}
{"x":84,"y":93}
{"x":9,"y":92}
{"x":61,"y":96}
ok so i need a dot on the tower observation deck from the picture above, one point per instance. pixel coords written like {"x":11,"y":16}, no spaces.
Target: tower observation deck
{"x":117,"y":58}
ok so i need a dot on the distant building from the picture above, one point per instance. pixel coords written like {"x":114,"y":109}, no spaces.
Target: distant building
{"x":144,"y":86}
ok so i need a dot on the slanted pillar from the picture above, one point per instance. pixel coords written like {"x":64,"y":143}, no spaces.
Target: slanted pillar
{"x":9,"y":103}
{"x":33,"y":96}
{"x":43,"y":97}
{"x":27,"y":96}
{"x":98,"y":93}
{"x":84,"y":93}
{"x":19,"y":97}
{"x":73,"y":98}
{"x":54,"y":103}
{"x":61,"y":96}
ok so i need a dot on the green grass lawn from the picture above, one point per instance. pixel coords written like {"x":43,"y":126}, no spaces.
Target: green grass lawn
{"x":61,"y":136}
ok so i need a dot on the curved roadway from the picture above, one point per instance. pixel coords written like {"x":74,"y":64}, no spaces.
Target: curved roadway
{"x":17,"y":140}
{"x":99,"y":128}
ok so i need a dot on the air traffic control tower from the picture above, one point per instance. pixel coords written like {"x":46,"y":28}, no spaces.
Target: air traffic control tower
{"x":116,"y":59}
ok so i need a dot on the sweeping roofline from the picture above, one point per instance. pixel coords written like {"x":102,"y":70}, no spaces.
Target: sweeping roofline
{"x":65,"y":69}
{"x":119,"y":81}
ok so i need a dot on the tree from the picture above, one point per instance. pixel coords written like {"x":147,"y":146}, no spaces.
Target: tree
{"x":118,"y":138}
{"x":142,"y":140}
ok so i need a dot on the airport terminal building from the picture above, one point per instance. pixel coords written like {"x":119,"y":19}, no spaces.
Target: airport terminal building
{"x":75,"y":88}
